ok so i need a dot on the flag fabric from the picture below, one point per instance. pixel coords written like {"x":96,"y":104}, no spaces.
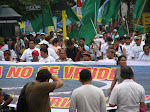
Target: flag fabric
{"x":148,"y":29}
{"x":88,"y":31}
{"x":37,"y":22}
{"x":110,"y":10}
{"x":122,"y":31}
{"x":55,"y":1}
{"x":88,"y":10}
{"x":115,"y":15}
{"x":22,"y":25}
{"x":72,"y":16}
{"x":100,"y":11}
{"x":137,"y":8}
{"x":74,"y":34}
{"x":139,"y":28}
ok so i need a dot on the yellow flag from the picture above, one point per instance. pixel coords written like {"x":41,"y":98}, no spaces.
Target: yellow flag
{"x":21,"y":25}
{"x":49,"y":30}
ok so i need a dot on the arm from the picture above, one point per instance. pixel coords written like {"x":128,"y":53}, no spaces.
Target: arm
{"x":112,"y":85}
{"x":8,"y":99}
{"x":59,"y":84}
{"x":124,"y":51}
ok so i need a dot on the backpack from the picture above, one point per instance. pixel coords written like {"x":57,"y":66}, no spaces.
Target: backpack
{"x":22,"y":104}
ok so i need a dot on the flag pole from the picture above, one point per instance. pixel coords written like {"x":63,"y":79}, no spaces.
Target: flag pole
{"x":140,"y":15}
{"x":95,"y":15}
{"x":64,"y":24}
{"x":77,"y":16}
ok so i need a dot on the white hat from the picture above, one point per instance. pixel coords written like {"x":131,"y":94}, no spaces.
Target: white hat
{"x":44,"y":42}
{"x":42,"y":33}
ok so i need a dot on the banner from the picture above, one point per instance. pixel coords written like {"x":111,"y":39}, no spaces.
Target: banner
{"x":13,"y":76}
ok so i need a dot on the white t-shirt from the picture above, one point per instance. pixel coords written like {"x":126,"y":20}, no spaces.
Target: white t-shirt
{"x":52,"y":53}
{"x":135,"y":51}
{"x":4,"y":48}
{"x":27,"y":54}
{"x":48,"y":59}
{"x":128,"y":49}
{"x":120,"y":49}
{"x":13,"y":55}
{"x":144,"y":57}
{"x":1,"y":55}
{"x":127,"y":96}
{"x":104,"y":48}
{"x":87,"y":98}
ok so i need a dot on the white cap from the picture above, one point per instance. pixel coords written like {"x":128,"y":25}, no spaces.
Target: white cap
{"x":44,"y":42}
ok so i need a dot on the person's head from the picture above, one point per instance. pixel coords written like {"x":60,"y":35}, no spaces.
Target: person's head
{"x":146,"y":49}
{"x":82,"y":40}
{"x":31,"y":37}
{"x":73,"y":40}
{"x":69,"y":44}
{"x":6,"y":40}
{"x":138,"y":40}
{"x":111,"y":46}
{"x":37,"y":40}
{"x":35,"y":55}
{"x":109,"y":39}
{"x":43,"y":43}
{"x":62,"y":53}
{"x":127,"y":40}
{"x":86,"y":56}
{"x":85,"y":76}
{"x":126,"y":72}
{"x":31,"y":44}
{"x":49,"y":39}
{"x":122,"y":39}
{"x":43,"y":75}
{"x":55,"y":42}
{"x":37,"y":36}
{"x":43,"y":36}
{"x":1,"y":96}
{"x":110,"y":53}
{"x":104,"y":35}
{"x":81,"y":47}
{"x":7,"y":55}
{"x":52,"y":34}
{"x":44,"y":52}
{"x":122,"y":60}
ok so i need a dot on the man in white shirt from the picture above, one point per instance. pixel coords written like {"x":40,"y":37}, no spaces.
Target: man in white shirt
{"x":5,"y":47}
{"x":87,"y":98}
{"x":145,"y":55}
{"x":44,"y":56}
{"x":136,"y":49}
{"x":127,"y":95}
{"x":27,"y":54}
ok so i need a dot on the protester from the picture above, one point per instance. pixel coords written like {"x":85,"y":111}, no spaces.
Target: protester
{"x":37,"y":93}
{"x":86,"y":56}
{"x":81,"y":49}
{"x":27,"y":54}
{"x":55,"y":45}
{"x":110,"y":54}
{"x":87,"y":98}
{"x":145,"y":55}
{"x":42,"y":36}
{"x":6,"y":46}
{"x":35,"y":56}
{"x":71,"y":50}
{"x":128,"y":96}
{"x":63,"y":56}
{"x":44,"y":56}
{"x":82,"y":40}
{"x":74,"y":41}
{"x":117,"y":78}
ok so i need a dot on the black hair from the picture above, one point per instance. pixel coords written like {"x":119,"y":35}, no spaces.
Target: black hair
{"x":43,"y":75}
{"x":69,"y":42}
{"x":51,"y":32}
{"x":82,"y":39}
{"x":126,"y":72}
{"x":145,"y":45}
{"x":127,"y":37}
{"x":44,"y":49}
{"x":85,"y":75}
{"x":48,"y":38}
{"x":55,"y":41}
{"x":119,"y":58}
{"x":122,"y":37}
{"x":0,"y":91}
{"x":32,"y":40}
{"x":108,"y":38}
{"x":6,"y":39}
{"x":37,"y":40}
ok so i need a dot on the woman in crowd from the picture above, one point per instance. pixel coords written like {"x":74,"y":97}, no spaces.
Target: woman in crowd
{"x":117,"y":78}
{"x":79,"y":56}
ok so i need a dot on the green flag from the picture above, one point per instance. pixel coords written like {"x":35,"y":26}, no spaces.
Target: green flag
{"x":88,"y":31}
{"x":122,"y":31}
{"x":74,"y":34}
{"x":88,"y":10}
{"x":115,"y":15}
{"x":72,"y":16}
{"x":111,"y":9}
{"x":137,"y":8}
{"x":55,"y":1}
{"x":148,"y":29}
{"x":37,"y":22}
{"x":139,"y":28}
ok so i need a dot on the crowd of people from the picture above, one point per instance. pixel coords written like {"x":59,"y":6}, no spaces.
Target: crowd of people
{"x":53,"y":48}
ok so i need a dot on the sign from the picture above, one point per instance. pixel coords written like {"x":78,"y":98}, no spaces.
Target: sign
{"x":33,"y":7}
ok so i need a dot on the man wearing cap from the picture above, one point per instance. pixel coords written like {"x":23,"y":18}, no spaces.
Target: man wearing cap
{"x":87,"y":98}
{"x":42,"y":36}
{"x":27,"y":54}
{"x":35,"y":56}
{"x":128,"y":96}
{"x":51,"y":52}
{"x":86,"y":56}
{"x":136,"y":49}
